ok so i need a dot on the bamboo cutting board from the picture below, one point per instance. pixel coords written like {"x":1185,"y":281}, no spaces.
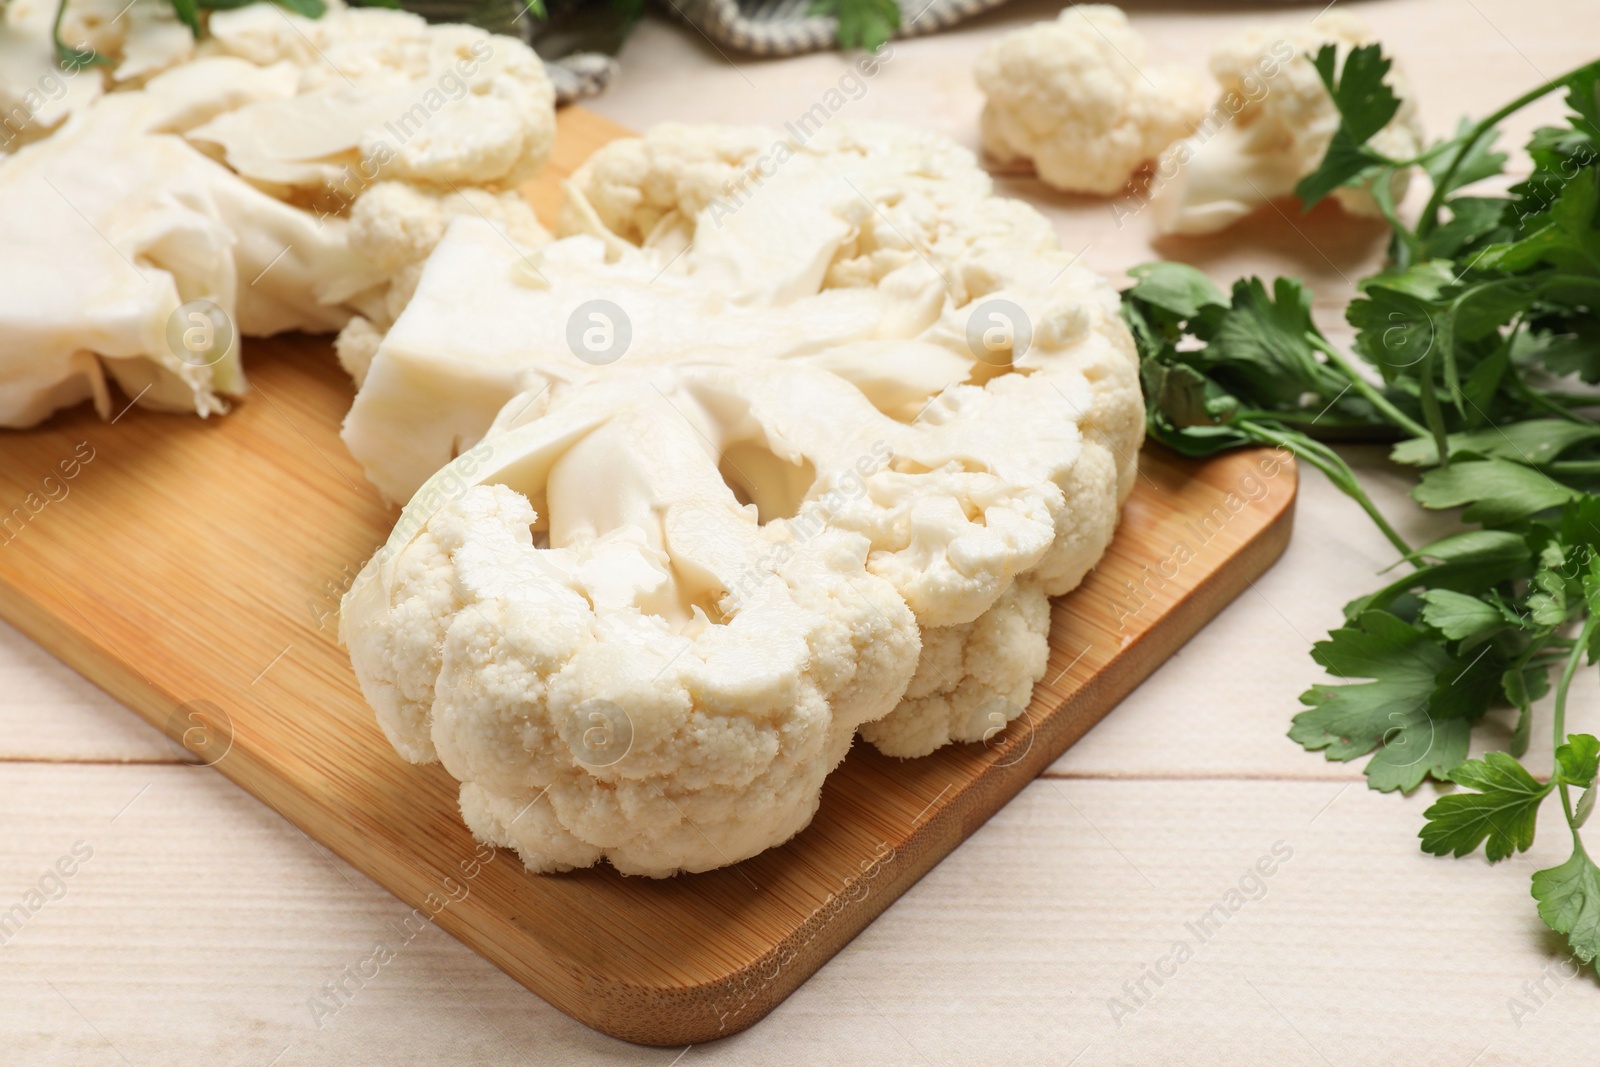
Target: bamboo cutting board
{"x":193,"y":569}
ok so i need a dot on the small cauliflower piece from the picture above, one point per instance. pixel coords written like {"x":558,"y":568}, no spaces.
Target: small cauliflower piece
{"x":1076,"y":99}
{"x":866,"y":347}
{"x":1271,"y":127}
{"x":293,"y":172}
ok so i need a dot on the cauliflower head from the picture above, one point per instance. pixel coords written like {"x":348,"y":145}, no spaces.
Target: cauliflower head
{"x":1075,"y":98}
{"x":858,"y":350}
{"x":1271,"y":127}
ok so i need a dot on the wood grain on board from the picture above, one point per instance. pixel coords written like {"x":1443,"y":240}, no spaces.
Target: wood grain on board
{"x":184,"y":561}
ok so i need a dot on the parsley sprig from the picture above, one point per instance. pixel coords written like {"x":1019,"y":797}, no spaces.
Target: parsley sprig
{"x":863,"y":24}
{"x":1473,"y":349}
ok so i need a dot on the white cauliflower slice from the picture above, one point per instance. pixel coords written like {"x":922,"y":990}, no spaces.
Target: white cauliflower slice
{"x":1271,"y":127}
{"x":1076,"y":98}
{"x":581,"y":692}
{"x":36,"y":93}
{"x":252,"y":175}
{"x":854,"y":384}
{"x":971,"y":679}
{"x":382,"y":95}
{"x":163,"y":226}
{"x":138,"y":38}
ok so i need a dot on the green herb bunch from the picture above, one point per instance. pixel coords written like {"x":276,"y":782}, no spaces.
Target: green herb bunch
{"x":1472,"y":350}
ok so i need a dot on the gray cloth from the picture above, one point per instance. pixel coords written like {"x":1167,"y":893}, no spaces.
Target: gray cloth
{"x":782,"y":27}
{"x":580,"y":75}
{"x":754,"y":27}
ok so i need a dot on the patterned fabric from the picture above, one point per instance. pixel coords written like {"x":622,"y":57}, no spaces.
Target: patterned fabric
{"x":580,"y":75}
{"x":782,"y":27}
{"x":754,"y":27}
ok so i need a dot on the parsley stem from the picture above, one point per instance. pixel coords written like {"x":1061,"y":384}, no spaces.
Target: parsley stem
{"x":1558,"y":718}
{"x":1430,"y":213}
{"x":1524,"y":729}
{"x":1331,"y":464}
{"x":1359,"y":383}
{"x":1543,"y":402}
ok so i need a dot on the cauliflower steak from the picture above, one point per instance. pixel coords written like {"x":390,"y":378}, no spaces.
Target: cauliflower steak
{"x":283,"y":173}
{"x":852,"y":420}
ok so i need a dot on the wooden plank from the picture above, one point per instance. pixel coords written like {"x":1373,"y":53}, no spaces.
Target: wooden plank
{"x":203,"y":924}
{"x":201,"y":561}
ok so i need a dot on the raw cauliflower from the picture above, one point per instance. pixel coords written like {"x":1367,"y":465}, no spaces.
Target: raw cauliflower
{"x":159,"y":227}
{"x":396,"y":226}
{"x":857,"y":352}
{"x":1076,"y":99}
{"x":36,"y":93}
{"x":1271,"y":127}
{"x":971,"y":679}
{"x":580,"y":692}
{"x":382,"y":94}
{"x":137,"y":38}
{"x":294,"y":173}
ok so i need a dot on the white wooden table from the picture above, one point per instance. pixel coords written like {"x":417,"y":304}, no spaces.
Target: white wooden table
{"x":202,"y":922}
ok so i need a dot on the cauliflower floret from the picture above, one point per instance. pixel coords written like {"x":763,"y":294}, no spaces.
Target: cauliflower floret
{"x":1271,"y":127}
{"x":686,"y":167}
{"x":382,"y":94}
{"x":971,"y":679}
{"x":580,"y":692}
{"x":1076,"y":98}
{"x":355,"y":346}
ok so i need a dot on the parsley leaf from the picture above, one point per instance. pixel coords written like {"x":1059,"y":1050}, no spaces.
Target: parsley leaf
{"x":862,"y":23}
{"x":1569,"y":902}
{"x":1503,"y":811}
{"x":1408,"y":707}
{"x":1578,"y":759}
{"x":1480,"y":161}
{"x":1533,"y":441}
{"x":1176,"y":288}
{"x":1365,"y":104}
{"x":1495,"y":491}
{"x":1460,"y":617}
